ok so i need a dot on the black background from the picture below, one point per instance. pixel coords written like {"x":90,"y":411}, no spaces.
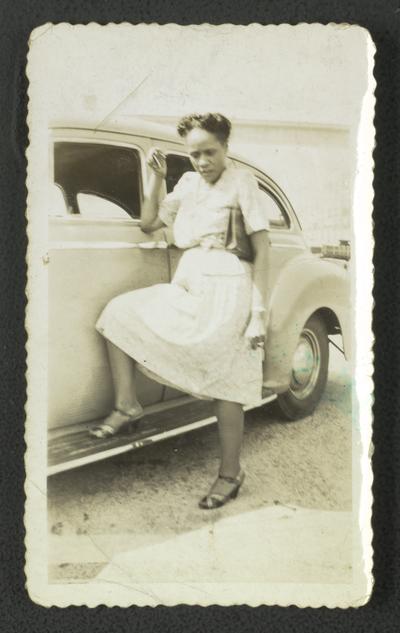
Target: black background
{"x":17,"y":612}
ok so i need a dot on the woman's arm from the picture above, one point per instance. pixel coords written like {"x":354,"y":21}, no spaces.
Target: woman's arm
{"x":261,"y":247}
{"x":149,"y":214}
{"x":256,"y":328}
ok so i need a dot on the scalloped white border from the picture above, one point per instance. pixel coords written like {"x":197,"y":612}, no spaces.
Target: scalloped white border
{"x":202,"y":594}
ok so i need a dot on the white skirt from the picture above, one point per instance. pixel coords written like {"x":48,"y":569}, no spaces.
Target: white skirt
{"x":189,"y":333}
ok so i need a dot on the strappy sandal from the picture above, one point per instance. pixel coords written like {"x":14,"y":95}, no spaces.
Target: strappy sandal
{"x":104,"y":431}
{"x":217,"y":500}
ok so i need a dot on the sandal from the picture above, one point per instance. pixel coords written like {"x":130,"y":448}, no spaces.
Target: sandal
{"x":215,"y":499}
{"x":105,"y":430}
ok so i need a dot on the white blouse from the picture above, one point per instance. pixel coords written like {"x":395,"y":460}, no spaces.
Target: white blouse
{"x":199,"y":211}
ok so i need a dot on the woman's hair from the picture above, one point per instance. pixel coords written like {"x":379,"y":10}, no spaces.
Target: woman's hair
{"x":212,"y":122}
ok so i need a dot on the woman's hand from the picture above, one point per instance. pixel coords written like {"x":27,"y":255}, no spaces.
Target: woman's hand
{"x":157,"y":162}
{"x":256,"y":330}
{"x":149,"y":211}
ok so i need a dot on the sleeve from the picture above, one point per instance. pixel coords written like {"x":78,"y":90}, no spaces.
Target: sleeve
{"x":251,"y":203}
{"x":169,"y":206}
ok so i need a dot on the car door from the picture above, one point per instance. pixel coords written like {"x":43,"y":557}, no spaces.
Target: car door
{"x":96,"y":251}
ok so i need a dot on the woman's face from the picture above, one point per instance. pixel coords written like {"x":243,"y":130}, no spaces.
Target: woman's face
{"x":207,"y":153}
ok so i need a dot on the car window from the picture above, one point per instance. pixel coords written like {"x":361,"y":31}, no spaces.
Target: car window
{"x":277,"y":218}
{"x":98,"y":179}
{"x":176,"y":166}
{"x":92,"y":206}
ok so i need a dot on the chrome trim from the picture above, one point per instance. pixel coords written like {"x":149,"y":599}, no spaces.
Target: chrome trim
{"x":299,"y":247}
{"x":304,"y":378}
{"x":106,"y":245}
{"x":77,"y":219}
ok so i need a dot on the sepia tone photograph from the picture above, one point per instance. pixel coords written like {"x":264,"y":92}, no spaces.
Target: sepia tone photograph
{"x":199,"y":307}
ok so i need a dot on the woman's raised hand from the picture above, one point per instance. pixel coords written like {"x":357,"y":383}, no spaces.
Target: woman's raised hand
{"x":157,"y":162}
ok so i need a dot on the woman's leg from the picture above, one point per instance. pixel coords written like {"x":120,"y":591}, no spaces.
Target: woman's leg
{"x":127,"y":408}
{"x":124,"y":380}
{"x":230,"y":428}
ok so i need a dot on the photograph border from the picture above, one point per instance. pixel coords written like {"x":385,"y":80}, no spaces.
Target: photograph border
{"x":382,"y":612}
{"x":198,"y":593}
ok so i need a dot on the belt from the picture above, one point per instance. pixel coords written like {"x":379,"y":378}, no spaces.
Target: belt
{"x":213,"y":241}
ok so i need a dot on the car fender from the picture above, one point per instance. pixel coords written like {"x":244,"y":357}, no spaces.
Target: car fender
{"x":306,"y":285}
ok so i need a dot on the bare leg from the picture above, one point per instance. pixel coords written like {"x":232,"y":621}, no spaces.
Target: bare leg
{"x":127,"y":407}
{"x":124,"y":379}
{"x":230,"y":428}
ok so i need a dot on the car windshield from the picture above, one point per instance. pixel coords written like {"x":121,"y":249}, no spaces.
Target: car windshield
{"x":105,"y":171}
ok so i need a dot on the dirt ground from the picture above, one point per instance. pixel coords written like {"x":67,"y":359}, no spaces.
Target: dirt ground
{"x":149,"y":497}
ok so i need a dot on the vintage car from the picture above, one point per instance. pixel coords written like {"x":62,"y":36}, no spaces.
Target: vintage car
{"x":97,"y":251}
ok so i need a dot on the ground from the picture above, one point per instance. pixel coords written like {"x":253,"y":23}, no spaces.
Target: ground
{"x":298,"y":483}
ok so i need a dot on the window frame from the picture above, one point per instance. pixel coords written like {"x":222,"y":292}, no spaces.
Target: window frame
{"x":286,"y":216}
{"x":294,"y":222}
{"x":59,"y":136}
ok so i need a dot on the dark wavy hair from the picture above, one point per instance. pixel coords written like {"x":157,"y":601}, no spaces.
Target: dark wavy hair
{"x":212,"y":122}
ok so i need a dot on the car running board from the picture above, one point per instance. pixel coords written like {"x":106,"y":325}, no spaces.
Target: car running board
{"x":79,"y":448}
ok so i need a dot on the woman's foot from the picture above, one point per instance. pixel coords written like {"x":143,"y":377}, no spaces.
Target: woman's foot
{"x":117,"y":421}
{"x":223,"y":490}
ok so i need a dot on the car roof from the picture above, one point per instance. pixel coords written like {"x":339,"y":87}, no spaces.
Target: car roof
{"x":134,"y":125}
{"x":122,"y":124}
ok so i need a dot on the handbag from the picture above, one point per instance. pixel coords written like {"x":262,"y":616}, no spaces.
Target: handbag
{"x":237,"y":241}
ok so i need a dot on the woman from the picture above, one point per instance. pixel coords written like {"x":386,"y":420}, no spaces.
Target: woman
{"x":203,"y":332}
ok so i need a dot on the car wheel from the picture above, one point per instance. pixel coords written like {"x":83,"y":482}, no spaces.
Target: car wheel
{"x":309,"y":372}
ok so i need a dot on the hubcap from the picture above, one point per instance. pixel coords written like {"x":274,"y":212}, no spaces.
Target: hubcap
{"x":306,"y":365}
